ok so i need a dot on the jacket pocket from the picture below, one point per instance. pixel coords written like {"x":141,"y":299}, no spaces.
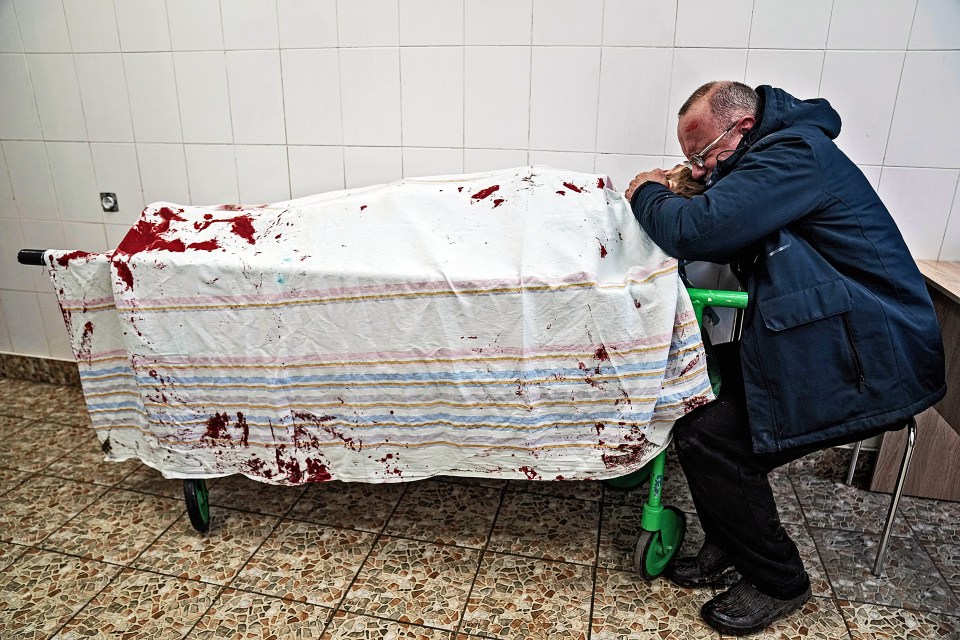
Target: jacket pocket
{"x":807,"y":305}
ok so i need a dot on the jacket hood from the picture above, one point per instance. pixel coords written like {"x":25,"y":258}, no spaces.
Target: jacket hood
{"x":779,"y":110}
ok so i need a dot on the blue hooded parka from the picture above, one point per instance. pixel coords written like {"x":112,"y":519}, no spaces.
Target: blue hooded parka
{"x":840,"y":336}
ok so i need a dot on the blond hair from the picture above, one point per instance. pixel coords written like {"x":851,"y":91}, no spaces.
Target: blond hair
{"x":682,"y":183}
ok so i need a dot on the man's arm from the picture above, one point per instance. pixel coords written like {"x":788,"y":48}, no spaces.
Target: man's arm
{"x":769,"y":189}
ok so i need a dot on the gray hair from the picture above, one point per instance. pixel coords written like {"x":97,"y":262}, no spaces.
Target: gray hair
{"x":728,"y":100}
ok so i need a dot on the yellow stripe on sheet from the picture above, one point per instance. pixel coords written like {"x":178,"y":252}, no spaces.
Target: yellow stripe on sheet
{"x":523,"y":358}
{"x":411,"y":294}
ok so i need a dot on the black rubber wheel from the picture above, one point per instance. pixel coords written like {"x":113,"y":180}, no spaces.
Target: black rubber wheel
{"x":198,"y":507}
{"x":655,"y":550}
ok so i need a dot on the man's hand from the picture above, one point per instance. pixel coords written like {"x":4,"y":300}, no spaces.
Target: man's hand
{"x":656,"y":175}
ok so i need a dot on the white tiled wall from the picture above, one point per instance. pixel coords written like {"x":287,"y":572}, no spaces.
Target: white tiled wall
{"x":203,"y":101}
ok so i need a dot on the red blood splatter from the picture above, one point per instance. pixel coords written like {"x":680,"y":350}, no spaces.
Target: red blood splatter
{"x":337,"y":433}
{"x":636,"y":303}
{"x":207,"y":216}
{"x":483,"y":193}
{"x":241,"y":226}
{"x":561,"y":193}
{"x":277,"y":237}
{"x":64,"y":259}
{"x":603,"y":251}
{"x":124,"y":272}
{"x":600,"y":183}
{"x":317,"y":472}
{"x":84,"y":351}
{"x":582,"y":366}
{"x":291,"y":467}
{"x":691,"y":364}
{"x":206,"y":245}
{"x":497,"y":202}
{"x":599,"y":427}
{"x":257,"y":466}
{"x":530,"y":473}
{"x":217,"y":426}
{"x":459,"y":189}
{"x":601,"y":353}
{"x":628,"y":454}
{"x":362,"y":207}
{"x":242,"y":424}
{"x":693,"y":126}
{"x":572,"y":187}
{"x":560,"y":478}
{"x":692,"y":403}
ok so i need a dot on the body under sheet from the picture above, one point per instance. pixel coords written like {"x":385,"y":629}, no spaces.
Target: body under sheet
{"x":516,"y":324}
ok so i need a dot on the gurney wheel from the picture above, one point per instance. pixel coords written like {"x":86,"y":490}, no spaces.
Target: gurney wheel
{"x":198,"y":508}
{"x":656,"y":549}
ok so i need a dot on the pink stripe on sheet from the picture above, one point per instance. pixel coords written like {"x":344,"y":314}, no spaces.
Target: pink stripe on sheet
{"x":392,"y":288}
{"x":660,"y":340}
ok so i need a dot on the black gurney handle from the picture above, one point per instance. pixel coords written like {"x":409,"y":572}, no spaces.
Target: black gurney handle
{"x":31,"y":256}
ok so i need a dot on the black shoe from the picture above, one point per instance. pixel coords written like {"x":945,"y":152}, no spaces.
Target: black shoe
{"x":709,"y":568}
{"x":741,"y":609}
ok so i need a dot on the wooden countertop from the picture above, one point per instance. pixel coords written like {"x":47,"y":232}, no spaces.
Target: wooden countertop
{"x":943,"y":275}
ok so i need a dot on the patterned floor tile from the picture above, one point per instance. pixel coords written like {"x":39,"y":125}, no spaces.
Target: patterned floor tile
{"x":518,"y":597}
{"x":87,"y":463}
{"x":23,"y":399}
{"x":788,"y":505}
{"x":336,"y":504}
{"x":40,"y":591}
{"x":479,"y":481}
{"x":148,"y":480}
{"x":546,"y":527}
{"x":67,"y":406}
{"x":446,"y":513}
{"x":10,"y":479}
{"x":142,"y":605}
{"x":819,"y":618}
{"x":32,"y":511}
{"x":117,"y":527}
{"x":214,"y":557}
{"x":237,"y":615}
{"x":414,"y":581}
{"x":819,"y":583}
{"x":835,"y":505}
{"x":10,"y":552}
{"x":240,"y":492}
{"x":910,"y":579}
{"x":306,"y":562}
{"x":875,"y":622}
{"x":582,"y":490}
{"x":932,"y":520}
{"x":37,"y":444}
{"x":626,"y":607}
{"x":833,"y":464}
{"x":946,"y":557}
{"x":351,"y":626}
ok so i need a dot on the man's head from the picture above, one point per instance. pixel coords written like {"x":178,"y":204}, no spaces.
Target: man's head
{"x":712,"y":121}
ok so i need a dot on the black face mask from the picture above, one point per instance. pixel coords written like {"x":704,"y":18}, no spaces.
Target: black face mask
{"x":712,"y":178}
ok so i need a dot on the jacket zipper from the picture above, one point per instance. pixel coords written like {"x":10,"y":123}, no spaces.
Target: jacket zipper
{"x":855,"y":352}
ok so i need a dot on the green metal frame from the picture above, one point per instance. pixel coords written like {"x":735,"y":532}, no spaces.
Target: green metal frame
{"x":655,"y":519}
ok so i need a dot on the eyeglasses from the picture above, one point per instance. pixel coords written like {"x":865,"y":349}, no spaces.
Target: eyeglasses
{"x":698,"y":158}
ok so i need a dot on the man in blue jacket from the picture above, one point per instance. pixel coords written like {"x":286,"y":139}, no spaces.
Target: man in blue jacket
{"x":840,"y":339}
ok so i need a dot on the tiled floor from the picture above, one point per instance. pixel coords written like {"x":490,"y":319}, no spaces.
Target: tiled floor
{"x":92,"y":549}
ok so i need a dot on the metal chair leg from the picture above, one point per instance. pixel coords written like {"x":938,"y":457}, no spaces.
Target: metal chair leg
{"x":853,"y":462}
{"x":895,"y":501}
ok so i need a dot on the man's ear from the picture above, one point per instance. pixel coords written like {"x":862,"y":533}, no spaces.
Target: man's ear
{"x":747,"y":123}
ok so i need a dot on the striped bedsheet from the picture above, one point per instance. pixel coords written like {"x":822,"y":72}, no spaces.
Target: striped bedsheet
{"x":515,"y":324}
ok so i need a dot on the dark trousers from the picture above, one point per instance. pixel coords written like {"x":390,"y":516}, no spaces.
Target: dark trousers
{"x":730,"y":487}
